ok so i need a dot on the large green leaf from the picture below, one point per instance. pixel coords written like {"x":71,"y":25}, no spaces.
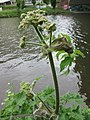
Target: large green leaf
{"x":65,"y":63}
{"x":59,"y":53}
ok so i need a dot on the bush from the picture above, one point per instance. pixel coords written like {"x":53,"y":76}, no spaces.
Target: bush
{"x":24,"y":106}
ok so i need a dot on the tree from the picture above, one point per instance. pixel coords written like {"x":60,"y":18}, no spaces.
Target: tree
{"x":53,"y":3}
{"x":20,"y":4}
{"x":33,"y":2}
{"x":46,"y":1}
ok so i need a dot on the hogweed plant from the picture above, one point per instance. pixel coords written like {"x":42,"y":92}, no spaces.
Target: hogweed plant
{"x":26,"y":104}
{"x":62,"y":45}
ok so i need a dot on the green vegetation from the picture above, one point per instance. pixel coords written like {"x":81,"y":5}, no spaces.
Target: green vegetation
{"x":11,"y":11}
{"x":8,"y":7}
{"x":20,"y":4}
{"x":24,"y":106}
{"x":14,"y":13}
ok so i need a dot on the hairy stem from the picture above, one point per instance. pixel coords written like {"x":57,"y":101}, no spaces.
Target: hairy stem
{"x":55,"y":82}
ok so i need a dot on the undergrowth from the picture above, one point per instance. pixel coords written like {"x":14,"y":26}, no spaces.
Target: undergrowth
{"x":24,"y":105}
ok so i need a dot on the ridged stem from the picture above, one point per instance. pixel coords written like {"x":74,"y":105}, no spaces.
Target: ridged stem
{"x":55,"y":82}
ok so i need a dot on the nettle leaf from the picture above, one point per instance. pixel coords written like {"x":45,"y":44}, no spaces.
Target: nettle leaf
{"x":65,"y":63}
{"x":78,"y":52}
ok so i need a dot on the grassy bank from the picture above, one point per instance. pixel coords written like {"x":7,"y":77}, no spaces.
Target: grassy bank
{"x":11,"y":11}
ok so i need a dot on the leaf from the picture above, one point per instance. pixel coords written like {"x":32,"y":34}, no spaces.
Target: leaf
{"x":78,"y":52}
{"x":63,"y":116}
{"x":67,"y":37}
{"x":66,"y":62}
{"x":65,"y":55}
{"x":73,"y":55}
{"x":53,"y":37}
{"x":87,"y":114}
{"x":50,"y":49}
{"x":60,"y":52}
{"x":20,"y":98}
{"x":59,"y":36}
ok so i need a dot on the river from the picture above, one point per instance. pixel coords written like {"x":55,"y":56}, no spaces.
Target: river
{"x":18,"y":65}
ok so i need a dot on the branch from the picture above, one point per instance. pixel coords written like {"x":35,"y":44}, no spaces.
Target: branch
{"x":33,"y":43}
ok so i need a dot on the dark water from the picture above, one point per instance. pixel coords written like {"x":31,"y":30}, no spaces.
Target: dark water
{"x":18,"y":65}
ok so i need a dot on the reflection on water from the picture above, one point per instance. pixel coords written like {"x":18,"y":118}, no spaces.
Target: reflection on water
{"x":24,"y":64}
{"x":83,"y":65}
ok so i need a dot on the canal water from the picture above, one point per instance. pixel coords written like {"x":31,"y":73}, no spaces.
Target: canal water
{"x":18,"y":65}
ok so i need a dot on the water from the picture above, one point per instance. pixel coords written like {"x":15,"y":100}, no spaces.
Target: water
{"x":18,"y":65}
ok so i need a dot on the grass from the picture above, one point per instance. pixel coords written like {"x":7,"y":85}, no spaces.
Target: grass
{"x":11,"y":11}
{"x":4,"y":7}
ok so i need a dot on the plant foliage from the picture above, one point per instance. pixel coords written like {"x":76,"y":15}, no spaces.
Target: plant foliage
{"x":26,"y":105}
{"x":62,"y":44}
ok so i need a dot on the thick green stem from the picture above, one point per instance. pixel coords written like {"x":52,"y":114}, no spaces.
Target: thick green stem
{"x":55,"y":82}
{"x":50,"y":37}
{"x":39,"y":34}
{"x":53,"y":71}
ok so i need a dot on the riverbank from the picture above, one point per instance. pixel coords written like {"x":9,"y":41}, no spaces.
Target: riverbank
{"x":15,"y":13}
